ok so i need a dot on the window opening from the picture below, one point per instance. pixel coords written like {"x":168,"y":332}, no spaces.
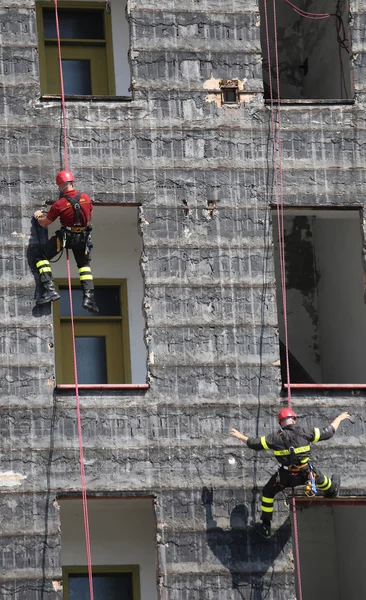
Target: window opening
{"x":77,"y":76}
{"x":331,"y":558}
{"x":114,"y":585}
{"x":314,"y":54}
{"x":325,"y":305}
{"x":74,"y":24}
{"x":86,"y":46}
{"x":230,"y":91}
{"x":102,"y":340}
{"x":119,"y":292}
{"x":123,"y":548}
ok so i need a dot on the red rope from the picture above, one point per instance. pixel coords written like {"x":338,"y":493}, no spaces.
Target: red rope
{"x":63,"y":103}
{"x":309,"y":15}
{"x":78,"y":412}
{"x":80,"y":433}
{"x":278,"y":181}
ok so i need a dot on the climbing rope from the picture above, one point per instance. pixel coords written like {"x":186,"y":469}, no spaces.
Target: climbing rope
{"x":78,"y":412}
{"x":278,"y":185}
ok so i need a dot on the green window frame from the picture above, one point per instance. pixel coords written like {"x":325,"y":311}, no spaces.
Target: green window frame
{"x":99,"y":52}
{"x":114,"y":329}
{"x":105,"y":569}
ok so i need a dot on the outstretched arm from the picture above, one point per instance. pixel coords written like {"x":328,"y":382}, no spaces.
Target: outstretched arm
{"x":236,"y":434}
{"x":338,"y":420}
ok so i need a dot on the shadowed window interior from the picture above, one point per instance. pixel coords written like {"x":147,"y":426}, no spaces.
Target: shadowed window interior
{"x":114,"y":586}
{"x":123,"y":548}
{"x":326,"y":313}
{"x":332,"y":557}
{"x":117,"y":331}
{"x":314,"y":54}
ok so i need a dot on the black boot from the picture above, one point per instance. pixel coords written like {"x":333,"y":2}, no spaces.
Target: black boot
{"x":89,"y":301}
{"x":263,"y":529}
{"x":49,"y":293}
{"x":333,"y":491}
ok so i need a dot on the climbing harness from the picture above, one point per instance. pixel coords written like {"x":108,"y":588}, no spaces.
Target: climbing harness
{"x":310,"y":488}
{"x":77,"y":400}
{"x":78,"y":236}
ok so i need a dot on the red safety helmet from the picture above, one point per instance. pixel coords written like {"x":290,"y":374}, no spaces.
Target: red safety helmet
{"x":285,"y":413}
{"x":64,"y":177}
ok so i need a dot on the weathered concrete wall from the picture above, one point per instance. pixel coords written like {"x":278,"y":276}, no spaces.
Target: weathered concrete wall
{"x":209,"y":297}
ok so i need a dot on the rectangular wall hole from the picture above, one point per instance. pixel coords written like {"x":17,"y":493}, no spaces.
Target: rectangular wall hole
{"x":123,"y":548}
{"x":314,"y":55}
{"x":115,"y":263}
{"x":331,"y":542}
{"x":326,"y":313}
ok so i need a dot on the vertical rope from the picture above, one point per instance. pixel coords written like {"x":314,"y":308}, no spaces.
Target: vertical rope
{"x":63,"y":103}
{"x":78,"y":412}
{"x":278,"y":179}
{"x":80,"y":434}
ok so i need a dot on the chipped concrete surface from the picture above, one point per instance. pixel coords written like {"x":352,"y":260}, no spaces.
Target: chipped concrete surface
{"x":202,"y":176}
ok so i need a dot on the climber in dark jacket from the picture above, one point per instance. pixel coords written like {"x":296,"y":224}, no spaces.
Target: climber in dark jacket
{"x":291,"y":447}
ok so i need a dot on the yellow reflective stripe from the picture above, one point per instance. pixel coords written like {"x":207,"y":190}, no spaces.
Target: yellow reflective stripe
{"x":84,"y":277}
{"x":264,"y":443}
{"x":42,"y":262}
{"x":299,"y":450}
{"x":325,"y":485}
{"x":266,"y":509}
{"x":45,"y":270}
{"x":302,"y":449}
{"x":85,"y":269}
{"x":269,"y":500}
{"x":316,"y":434}
{"x":305,"y":460}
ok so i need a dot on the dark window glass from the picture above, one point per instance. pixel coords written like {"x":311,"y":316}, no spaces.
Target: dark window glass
{"x":74,"y":24}
{"x":107,"y":298}
{"x":91,"y":358}
{"x":230,"y":96}
{"x":107,"y":586}
{"x":77,"y":77}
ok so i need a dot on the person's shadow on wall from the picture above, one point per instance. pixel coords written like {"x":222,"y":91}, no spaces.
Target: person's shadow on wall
{"x":239,"y":547}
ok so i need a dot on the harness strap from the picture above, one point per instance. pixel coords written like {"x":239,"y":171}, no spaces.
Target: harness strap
{"x":80,"y":219}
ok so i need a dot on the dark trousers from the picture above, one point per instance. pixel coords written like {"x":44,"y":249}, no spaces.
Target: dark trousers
{"x":50,"y":249}
{"x":287,"y":479}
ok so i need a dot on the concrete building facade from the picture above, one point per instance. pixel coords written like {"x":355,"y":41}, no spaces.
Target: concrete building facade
{"x":179,"y":162}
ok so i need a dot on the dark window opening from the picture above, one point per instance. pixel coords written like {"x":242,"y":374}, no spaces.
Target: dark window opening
{"x":108,"y":299}
{"x":326,"y":314}
{"x":77,"y":77}
{"x":332,"y":557}
{"x":74,"y":24}
{"x":314,"y":54}
{"x":229,"y":91}
{"x":230,"y":95}
{"x":114,"y":586}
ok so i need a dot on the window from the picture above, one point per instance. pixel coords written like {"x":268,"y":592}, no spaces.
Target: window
{"x":112,"y":582}
{"x":230,"y":91}
{"x":102,"y":340}
{"x":331,"y":539}
{"x":86,"y":47}
{"x":314,"y":55}
{"x":123,"y":547}
{"x":326,"y":313}
{"x":116,"y":258}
